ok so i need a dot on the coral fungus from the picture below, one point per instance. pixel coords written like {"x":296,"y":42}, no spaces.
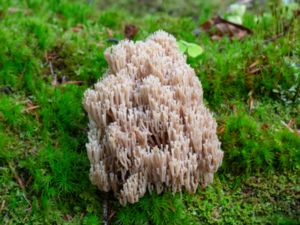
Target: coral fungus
{"x":149,"y":128}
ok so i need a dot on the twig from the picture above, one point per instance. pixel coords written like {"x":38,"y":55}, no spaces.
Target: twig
{"x":32,"y":108}
{"x":54,"y":81}
{"x":2,"y":206}
{"x":73,"y":82}
{"x":287,"y":126}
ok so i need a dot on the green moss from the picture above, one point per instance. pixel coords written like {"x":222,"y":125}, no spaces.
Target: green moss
{"x":43,"y":163}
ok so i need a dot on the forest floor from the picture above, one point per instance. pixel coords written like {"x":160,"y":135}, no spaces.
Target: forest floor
{"x":52,"y":51}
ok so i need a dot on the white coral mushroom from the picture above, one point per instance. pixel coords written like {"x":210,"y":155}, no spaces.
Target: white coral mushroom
{"x":149,"y":128}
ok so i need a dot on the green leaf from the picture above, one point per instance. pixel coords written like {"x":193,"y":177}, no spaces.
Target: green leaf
{"x":182,"y":45}
{"x":235,"y":13}
{"x":237,"y":9}
{"x":194,"y":50}
{"x":235,"y":19}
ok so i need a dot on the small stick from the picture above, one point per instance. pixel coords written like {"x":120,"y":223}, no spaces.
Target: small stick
{"x":73,"y":82}
{"x":2,"y":206}
{"x":54,"y":82}
{"x":287,"y":126}
{"x":32,"y":108}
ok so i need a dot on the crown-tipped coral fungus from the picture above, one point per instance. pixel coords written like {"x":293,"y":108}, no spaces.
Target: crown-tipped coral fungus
{"x":149,"y":128}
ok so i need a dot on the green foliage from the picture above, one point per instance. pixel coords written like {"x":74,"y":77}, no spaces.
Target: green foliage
{"x":43,"y":163}
{"x":155,"y":209}
{"x":251,"y":202}
{"x":245,"y":146}
{"x":191,"y":49}
{"x":251,"y":145}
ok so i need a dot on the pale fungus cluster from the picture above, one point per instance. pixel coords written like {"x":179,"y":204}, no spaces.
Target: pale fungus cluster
{"x":149,"y":129}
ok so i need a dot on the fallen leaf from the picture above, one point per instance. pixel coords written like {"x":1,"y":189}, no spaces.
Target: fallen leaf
{"x":253,"y":68}
{"x":217,"y":28}
{"x":130,"y":31}
{"x":221,"y":129}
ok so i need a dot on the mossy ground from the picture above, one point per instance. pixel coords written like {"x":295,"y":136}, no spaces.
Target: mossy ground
{"x":43,"y":163}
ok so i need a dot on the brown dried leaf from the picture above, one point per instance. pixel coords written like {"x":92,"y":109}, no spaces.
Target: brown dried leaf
{"x":130,"y":31}
{"x":221,"y":129}
{"x":253,"y":68}
{"x":217,"y":28}
{"x":253,"y":65}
